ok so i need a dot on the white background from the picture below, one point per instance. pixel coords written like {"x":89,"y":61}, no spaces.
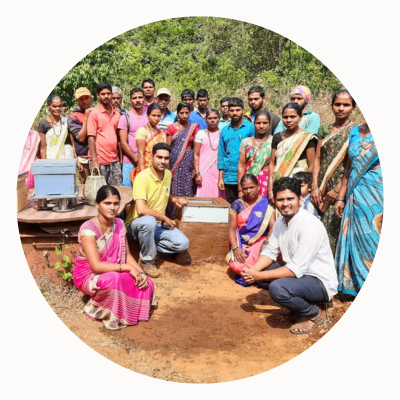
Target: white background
{"x":41,"y":41}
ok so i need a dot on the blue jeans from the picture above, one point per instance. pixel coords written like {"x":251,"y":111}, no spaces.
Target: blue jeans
{"x":153,"y":237}
{"x":300,"y":295}
{"x":126,"y":174}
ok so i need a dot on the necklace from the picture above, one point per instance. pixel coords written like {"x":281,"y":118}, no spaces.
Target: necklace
{"x":103,"y":232}
{"x":287,"y":148}
{"x":54,"y":127}
{"x":258,"y":147}
{"x":340,"y":127}
{"x":209,"y":139}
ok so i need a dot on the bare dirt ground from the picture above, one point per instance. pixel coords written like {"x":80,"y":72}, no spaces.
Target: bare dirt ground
{"x":206,"y":328}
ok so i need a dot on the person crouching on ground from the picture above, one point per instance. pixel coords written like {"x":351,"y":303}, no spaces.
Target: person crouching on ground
{"x":307,"y":276}
{"x":146,"y":221}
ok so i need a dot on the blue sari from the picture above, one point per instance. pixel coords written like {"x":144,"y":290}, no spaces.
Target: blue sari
{"x":362,"y":216}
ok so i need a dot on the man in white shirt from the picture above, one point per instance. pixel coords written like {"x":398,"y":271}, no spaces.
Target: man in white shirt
{"x":307,"y":276}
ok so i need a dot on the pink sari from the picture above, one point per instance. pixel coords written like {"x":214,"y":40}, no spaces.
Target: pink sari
{"x":208,"y":167}
{"x":29,"y":155}
{"x":115,"y":300}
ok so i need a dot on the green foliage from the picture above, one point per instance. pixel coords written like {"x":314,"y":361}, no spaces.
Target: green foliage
{"x":65,"y":264}
{"x":224,"y":56}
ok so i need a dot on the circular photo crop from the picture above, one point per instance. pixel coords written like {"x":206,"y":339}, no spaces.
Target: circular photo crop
{"x":200,"y":199}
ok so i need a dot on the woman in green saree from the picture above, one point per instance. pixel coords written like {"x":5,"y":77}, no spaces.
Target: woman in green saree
{"x":330,"y":161}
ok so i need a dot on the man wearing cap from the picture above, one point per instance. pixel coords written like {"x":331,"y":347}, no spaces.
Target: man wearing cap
{"x":77,"y":124}
{"x":311,"y":120}
{"x":256,"y":99}
{"x":167,"y":116}
{"x":116,"y":99}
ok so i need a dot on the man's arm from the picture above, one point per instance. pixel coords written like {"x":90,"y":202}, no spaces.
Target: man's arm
{"x":143,"y":209}
{"x":91,"y":133}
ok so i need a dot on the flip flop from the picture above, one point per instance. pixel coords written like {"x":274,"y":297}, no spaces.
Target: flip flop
{"x":314,"y":324}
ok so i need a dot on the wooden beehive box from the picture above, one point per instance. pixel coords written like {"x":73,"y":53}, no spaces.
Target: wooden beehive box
{"x":22,"y":191}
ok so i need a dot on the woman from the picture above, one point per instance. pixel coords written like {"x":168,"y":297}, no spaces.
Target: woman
{"x":360,"y":206}
{"x":250,"y":219}
{"x":205,"y":158}
{"x":180,"y":136}
{"x":106,"y":271}
{"x":146,"y":137}
{"x":255,"y":152}
{"x":330,"y":160}
{"x":53,"y":132}
{"x":293,"y":150}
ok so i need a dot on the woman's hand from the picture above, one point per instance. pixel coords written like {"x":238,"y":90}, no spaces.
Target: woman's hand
{"x":198,"y":180}
{"x":80,"y":166}
{"x":240,"y":255}
{"x":339,"y":208}
{"x":271,"y":197}
{"x":140,"y":277}
{"x":330,"y":197}
{"x":316,"y":197}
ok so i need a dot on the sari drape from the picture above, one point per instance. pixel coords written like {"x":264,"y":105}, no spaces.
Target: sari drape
{"x":156,"y":137}
{"x":29,"y":155}
{"x":252,"y":230}
{"x":208,"y":167}
{"x":115,"y":300}
{"x":333,"y":155}
{"x":288,"y":153}
{"x":55,"y":142}
{"x":256,"y":162}
{"x":362,"y":217}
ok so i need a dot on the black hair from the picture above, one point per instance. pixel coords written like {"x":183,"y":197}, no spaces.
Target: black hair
{"x":136,"y":90}
{"x":105,"y":191}
{"x":235,"y":102}
{"x":256,"y":89}
{"x":223,"y":100}
{"x":103,"y":85}
{"x":303,"y":176}
{"x":148,"y":81}
{"x":152,"y":107}
{"x":160,"y":146}
{"x":188,"y":93}
{"x":293,"y":106}
{"x":51,"y":98}
{"x":182,"y":105}
{"x":212,"y":110}
{"x":202,"y":93}
{"x":261,"y":113}
{"x":343,"y":91}
{"x":287,"y":183}
{"x":248,"y":177}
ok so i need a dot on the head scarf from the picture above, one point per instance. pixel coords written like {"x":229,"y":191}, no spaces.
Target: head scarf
{"x":116,"y":89}
{"x":303,"y":91}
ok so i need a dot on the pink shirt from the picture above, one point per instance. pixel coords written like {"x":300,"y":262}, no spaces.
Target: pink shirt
{"x":135,"y":122}
{"x":103,"y":126}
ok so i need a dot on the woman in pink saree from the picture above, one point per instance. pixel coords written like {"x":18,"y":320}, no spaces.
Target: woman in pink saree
{"x":105,"y":270}
{"x":205,"y":158}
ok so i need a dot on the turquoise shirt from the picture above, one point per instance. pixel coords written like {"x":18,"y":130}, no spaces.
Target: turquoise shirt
{"x":310,"y":122}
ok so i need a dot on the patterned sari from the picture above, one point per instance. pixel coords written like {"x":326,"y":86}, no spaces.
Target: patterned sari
{"x":362,"y":217}
{"x":333,"y":155}
{"x":55,"y":142}
{"x":115,"y":300}
{"x":257,"y":161}
{"x":156,"y":137}
{"x":251,"y":231}
{"x":288,"y":153}
{"x":29,"y":155}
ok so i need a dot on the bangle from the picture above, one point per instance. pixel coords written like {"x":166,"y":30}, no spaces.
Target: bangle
{"x":142,"y":272}
{"x":235,"y":248}
{"x":196,"y":175}
{"x":314,"y":188}
{"x":339,"y":200}
{"x":120,"y":267}
{"x":335,"y":191}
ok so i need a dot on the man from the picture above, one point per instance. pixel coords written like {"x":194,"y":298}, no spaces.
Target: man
{"x":187,"y":96}
{"x":102,"y":133}
{"x":199,"y":116}
{"x":149,"y":89}
{"x":310,"y":121}
{"x":256,"y":99}
{"x":226,"y":119}
{"x":167,"y":116}
{"x":128,"y":124}
{"x":228,"y":149}
{"x":146,"y":221}
{"x":116,"y":99}
{"x":77,"y":124}
{"x":307,"y":276}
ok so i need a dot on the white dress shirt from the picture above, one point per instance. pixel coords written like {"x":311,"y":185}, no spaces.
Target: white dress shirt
{"x":305,"y":248}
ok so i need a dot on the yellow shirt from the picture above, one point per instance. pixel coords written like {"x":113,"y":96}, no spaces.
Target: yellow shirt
{"x":154,"y":191}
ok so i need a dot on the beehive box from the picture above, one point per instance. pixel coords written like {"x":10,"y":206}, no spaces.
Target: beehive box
{"x":22,"y":191}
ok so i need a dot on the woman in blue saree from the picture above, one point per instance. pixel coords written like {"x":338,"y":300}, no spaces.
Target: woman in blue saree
{"x":360,"y":205}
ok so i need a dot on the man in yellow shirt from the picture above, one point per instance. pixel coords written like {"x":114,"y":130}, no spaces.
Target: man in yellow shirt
{"x":146,"y":221}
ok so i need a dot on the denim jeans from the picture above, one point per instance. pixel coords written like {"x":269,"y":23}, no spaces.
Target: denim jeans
{"x":153,"y":237}
{"x":300,"y":295}
{"x":126,"y":174}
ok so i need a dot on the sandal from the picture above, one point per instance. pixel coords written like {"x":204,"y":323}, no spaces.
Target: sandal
{"x":306,"y":325}
{"x":150,"y":270}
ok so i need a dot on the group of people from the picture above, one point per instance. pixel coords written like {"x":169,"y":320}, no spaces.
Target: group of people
{"x":306,"y":200}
